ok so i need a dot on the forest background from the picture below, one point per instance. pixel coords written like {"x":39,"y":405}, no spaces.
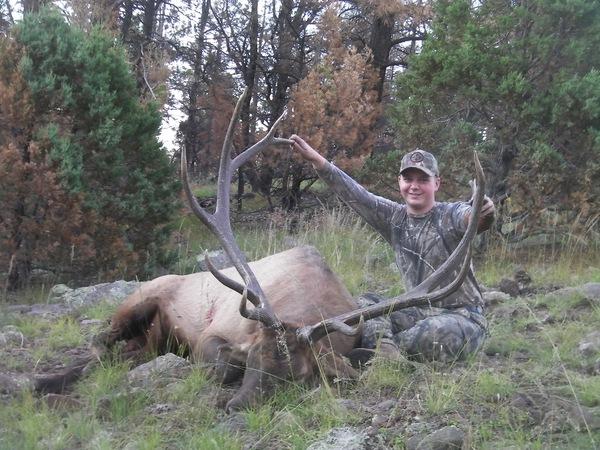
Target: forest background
{"x":88,"y":192}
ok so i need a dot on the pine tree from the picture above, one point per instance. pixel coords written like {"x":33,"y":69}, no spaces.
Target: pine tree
{"x":519,"y":82}
{"x":83,"y":130}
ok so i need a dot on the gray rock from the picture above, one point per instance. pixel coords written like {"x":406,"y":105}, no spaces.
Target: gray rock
{"x":562,"y":293}
{"x":591,"y":291}
{"x":492,"y":298}
{"x":379,"y":420}
{"x":57,"y":292}
{"x":11,"y":337}
{"x":347,"y":438}
{"x":91,"y":322}
{"x":161,"y":370}
{"x":590,"y":344}
{"x":509,"y":286}
{"x":563,"y":416}
{"x":556,"y":413}
{"x":447,"y":438}
{"x":159,"y":408}
{"x":49,"y":311}
{"x":349,"y":405}
{"x":234,"y":423}
{"x":13,"y":383}
{"x":218,"y":258}
{"x":418,"y":428}
{"x":386,"y":405}
{"x":112,"y":292}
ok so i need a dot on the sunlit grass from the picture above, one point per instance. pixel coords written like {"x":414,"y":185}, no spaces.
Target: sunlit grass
{"x":208,"y":440}
{"x":352,"y":250}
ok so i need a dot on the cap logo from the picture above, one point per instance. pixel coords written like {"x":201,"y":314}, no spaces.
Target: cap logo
{"x":416,"y":157}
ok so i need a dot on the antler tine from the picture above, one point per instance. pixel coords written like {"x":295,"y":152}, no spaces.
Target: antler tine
{"x":257,"y":313}
{"x":421,"y":294}
{"x":219,"y":222}
{"x":313,"y":333}
{"x":230,"y":283}
{"x":225,"y":166}
{"x":268,"y":140}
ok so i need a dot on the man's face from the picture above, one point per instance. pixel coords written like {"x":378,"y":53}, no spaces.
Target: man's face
{"x":418,"y":190}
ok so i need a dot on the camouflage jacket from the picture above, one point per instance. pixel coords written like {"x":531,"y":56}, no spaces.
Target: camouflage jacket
{"x":421,"y":243}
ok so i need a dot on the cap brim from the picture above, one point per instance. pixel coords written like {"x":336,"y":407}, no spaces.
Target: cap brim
{"x":422,"y":169}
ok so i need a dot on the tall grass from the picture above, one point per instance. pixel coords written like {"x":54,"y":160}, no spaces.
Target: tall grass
{"x":350,"y":247}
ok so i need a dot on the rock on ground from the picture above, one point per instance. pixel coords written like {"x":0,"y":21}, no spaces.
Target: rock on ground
{"x":161,"y":370}
{"x":114,"y":292}
{"x":447,"y":438}
{"x":347,"y":438}
{"x":590,"y":344}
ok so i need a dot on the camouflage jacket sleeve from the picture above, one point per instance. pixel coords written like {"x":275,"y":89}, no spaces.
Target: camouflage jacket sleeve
{"x":376,"y":211}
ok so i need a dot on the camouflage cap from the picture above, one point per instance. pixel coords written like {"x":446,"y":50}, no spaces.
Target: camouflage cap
{"x":422,"y":160}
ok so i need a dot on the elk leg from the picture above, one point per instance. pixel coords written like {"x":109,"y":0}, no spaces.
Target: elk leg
{"x":224,"y":365}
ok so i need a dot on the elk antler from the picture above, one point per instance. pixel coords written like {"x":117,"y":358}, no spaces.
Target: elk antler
{"x":424,"y":293}
{"x":220,"y":224}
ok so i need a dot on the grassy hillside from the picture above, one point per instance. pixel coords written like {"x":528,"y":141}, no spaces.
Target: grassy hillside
{"x":527,"y":389}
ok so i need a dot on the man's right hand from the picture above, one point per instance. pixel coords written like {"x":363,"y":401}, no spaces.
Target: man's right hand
{"x":307,"y":152}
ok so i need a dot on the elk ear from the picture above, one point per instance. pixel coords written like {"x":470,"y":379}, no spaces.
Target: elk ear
{"x":335,"y":366}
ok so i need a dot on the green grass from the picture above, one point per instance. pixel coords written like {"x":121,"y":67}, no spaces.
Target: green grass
{"x":492,"y":386}
{"x":98,"y":311}
{"x":566,"y":267}
{"x":65,"y":333}
{"x":387,"y":377}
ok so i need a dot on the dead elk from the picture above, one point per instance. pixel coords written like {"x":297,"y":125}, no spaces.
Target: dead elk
{"x":299,"y":324}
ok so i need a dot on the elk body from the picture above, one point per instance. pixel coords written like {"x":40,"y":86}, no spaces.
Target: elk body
{"x":300,"y":322}
{"x":198,"y":315}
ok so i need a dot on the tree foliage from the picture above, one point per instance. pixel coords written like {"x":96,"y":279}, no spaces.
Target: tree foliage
{"x":519,"y":82}
{"x":335,"y":105}
{"x":94,"y":184}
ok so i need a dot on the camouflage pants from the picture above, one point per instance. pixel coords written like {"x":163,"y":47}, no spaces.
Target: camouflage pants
{"x":426,"y":333}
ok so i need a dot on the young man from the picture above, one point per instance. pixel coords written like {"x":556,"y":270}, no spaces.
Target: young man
{"x":422,"y":233}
